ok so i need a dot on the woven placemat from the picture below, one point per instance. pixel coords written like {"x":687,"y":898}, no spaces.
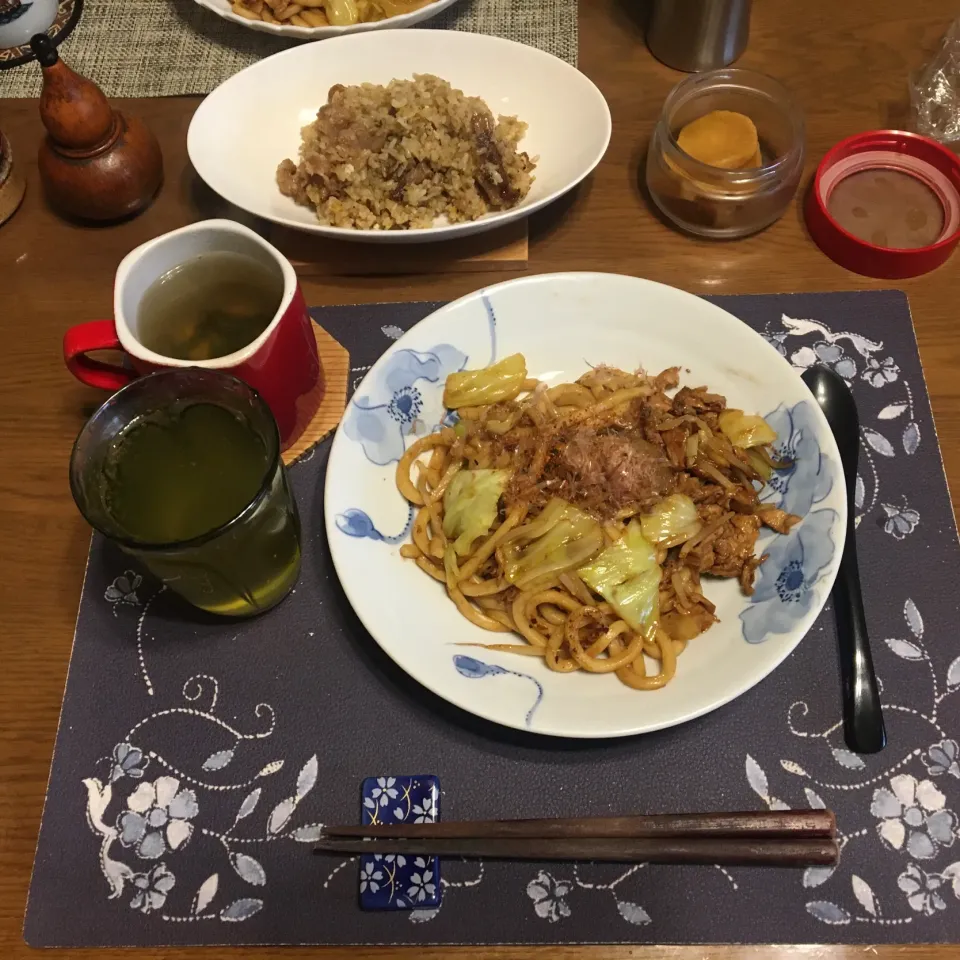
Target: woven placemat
{"x":195,"y":757}
{"x":163,"y":48}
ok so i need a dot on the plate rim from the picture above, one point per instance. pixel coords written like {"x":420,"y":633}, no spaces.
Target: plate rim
{"x":332,"y":531}
{"x":418,"y":234}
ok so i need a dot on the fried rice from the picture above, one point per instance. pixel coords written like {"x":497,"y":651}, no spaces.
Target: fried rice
{"x":403,"y":155}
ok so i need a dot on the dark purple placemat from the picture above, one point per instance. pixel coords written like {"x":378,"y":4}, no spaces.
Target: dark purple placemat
{"x":195,"y":758}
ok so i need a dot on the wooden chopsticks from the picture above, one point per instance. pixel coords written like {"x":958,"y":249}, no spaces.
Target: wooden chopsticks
{"x":773,"y":824}
{"x":774,"y":838}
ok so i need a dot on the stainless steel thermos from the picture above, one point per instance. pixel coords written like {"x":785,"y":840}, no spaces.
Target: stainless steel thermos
{"x":695,"y":35}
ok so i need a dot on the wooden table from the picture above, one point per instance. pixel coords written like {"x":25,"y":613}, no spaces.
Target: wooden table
{"x":846,"y":62}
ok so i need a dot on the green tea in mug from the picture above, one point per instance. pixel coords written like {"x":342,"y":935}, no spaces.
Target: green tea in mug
{"x":209,"y":307}
{"x":182,"y":469}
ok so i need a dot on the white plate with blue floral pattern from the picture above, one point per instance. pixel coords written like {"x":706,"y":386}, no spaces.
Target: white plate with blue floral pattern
{"x":563,"y":323}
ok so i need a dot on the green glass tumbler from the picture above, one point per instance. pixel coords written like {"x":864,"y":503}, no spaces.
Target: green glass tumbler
{"x":182,"y":470}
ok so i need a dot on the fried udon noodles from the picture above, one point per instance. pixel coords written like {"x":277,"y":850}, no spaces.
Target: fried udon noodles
{"x":583,"y":516}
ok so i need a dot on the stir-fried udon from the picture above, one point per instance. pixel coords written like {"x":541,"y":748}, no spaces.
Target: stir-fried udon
{"x":582,"y":517}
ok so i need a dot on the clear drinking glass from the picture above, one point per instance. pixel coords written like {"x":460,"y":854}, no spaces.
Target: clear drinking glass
{"x":241,"y":565}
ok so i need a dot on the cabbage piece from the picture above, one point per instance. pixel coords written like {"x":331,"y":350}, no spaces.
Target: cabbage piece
{"x":759,"y":464}
{"x":475,"y":388}
{"x":630,"y":555}
{"x":570,"y":538}
{"x":342,"y":13}
{"x":638,"y":600}
{"x":674,"y":518}
{"x":470,"y":505}
{"x":627,"y":576}
{"x":746,"y":429}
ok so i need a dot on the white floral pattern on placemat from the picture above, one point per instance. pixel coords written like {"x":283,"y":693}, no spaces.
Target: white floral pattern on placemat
{"x":901,"y":810}
{"x":148,"y":814}
{"x":807,"y":343}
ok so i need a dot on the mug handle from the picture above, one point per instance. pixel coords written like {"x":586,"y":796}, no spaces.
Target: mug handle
{"x":96,"y":335}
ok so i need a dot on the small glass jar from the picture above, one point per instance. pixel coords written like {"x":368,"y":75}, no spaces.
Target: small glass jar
{"x":710,"y":201}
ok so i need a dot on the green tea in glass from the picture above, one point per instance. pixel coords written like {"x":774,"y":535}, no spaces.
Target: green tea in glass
{"x":182,"y":470}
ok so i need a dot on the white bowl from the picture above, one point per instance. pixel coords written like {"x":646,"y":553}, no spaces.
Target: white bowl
{"x":562,"y":323}
{"x":222,"y":8}
{"x":251,"y":122}
{"x":25,"y":20}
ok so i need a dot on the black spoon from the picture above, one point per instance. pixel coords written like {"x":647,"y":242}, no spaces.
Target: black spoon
{"x":862,"y":715}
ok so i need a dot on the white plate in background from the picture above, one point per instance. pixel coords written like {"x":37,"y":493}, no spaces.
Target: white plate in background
{"x":251,"y":122}
{"x":223,"y":8}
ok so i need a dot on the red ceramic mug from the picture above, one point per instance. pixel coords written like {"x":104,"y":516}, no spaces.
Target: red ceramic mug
{"x":282,"y":363}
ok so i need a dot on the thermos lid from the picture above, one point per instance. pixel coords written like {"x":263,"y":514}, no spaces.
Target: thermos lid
{"x":886,"y":203}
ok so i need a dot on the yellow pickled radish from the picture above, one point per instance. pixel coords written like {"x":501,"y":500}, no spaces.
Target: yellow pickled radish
{"x":723,"y":139}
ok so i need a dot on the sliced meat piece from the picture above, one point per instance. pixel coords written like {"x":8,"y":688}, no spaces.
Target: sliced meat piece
{"x":287,"y":178}
{"x":699,"y":492}
{"x":735,"y":545}
{"x":491,"y":175}
{"x":743,"y":501}
{"x":708,"y":512}
{"x":674,"y":442}
{"x":412,"y":174}
{"x":702,"y":557}
{"x":647,"y":420}
{"x":697,"y":400}
{"x":667,"y":379}
{"x":749,"y":572}
{"x":777,"y":519}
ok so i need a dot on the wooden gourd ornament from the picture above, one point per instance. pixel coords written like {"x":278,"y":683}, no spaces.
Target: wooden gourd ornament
{"x":95,"y":162}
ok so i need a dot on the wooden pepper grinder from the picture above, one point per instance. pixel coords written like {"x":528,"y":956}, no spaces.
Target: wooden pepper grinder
{"x":96,"y":163}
